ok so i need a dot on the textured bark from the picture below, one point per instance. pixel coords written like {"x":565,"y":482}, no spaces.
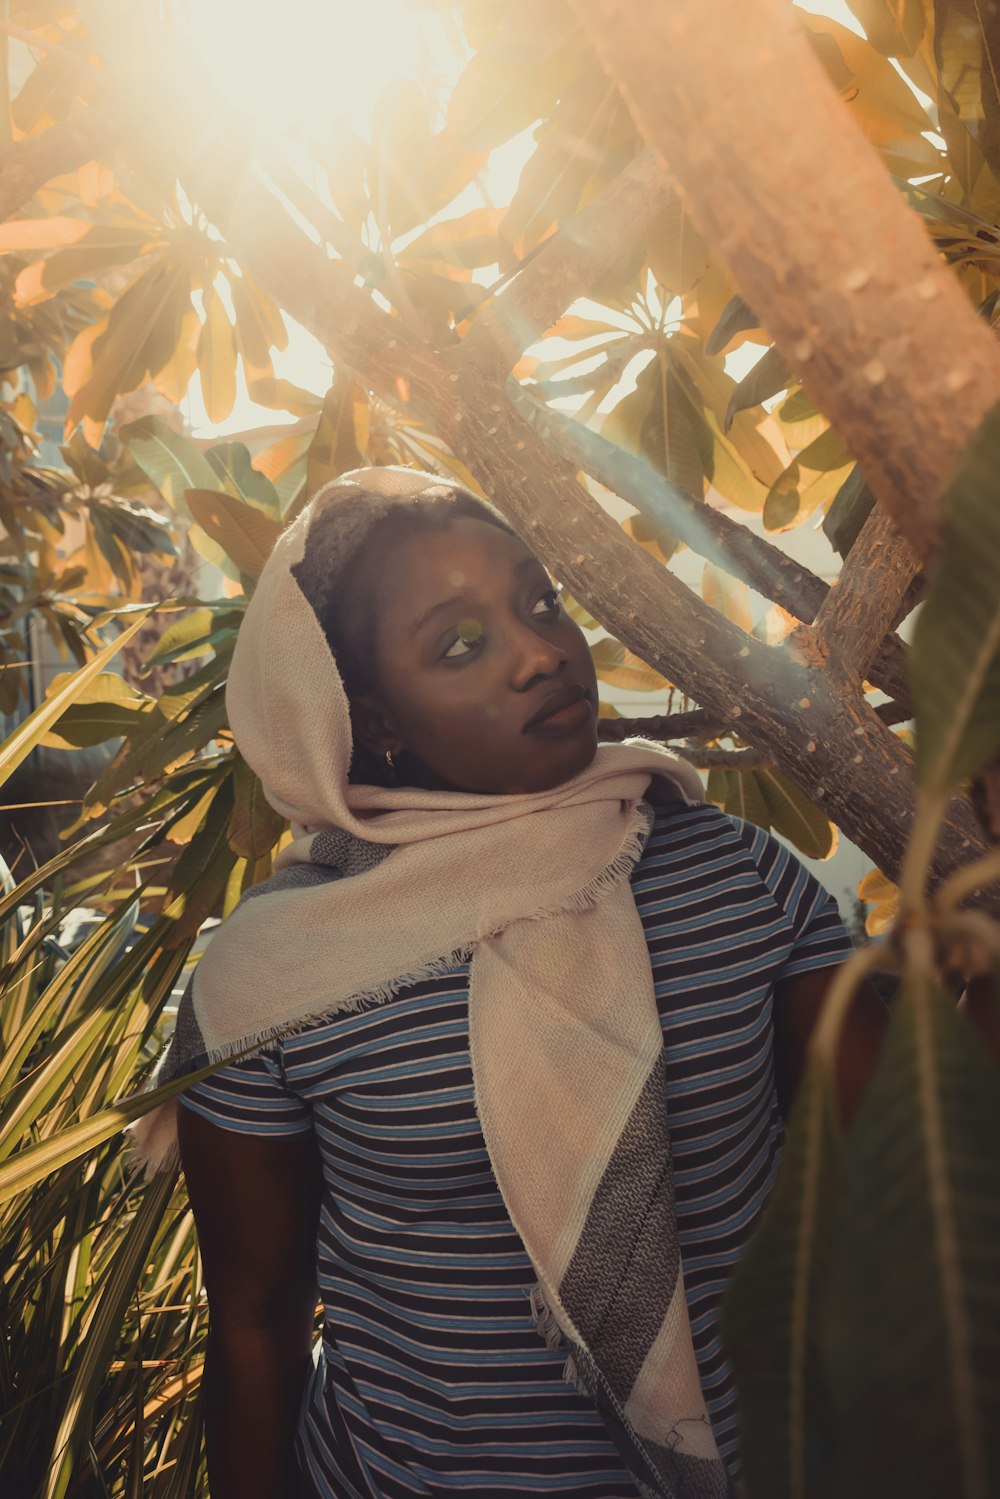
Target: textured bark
{"x":718,"y":538}
{"x":28,"y":165}
{"x":810,"y":224}
{"x":864,"y":602}
{"x":568,"y":265}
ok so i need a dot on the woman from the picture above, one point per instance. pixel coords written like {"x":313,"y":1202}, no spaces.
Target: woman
{"x":489,"y":986}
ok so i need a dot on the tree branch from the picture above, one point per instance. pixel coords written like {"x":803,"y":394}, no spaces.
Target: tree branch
{"x":567,"y":265}
{"x":860,"y":302}
{"x":696,"y":724}
{"x":28,"y":165}
{"x":864,"y":601}
{"x":710,"y":533}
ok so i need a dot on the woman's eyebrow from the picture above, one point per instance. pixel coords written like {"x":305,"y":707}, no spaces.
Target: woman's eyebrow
{"x":525,"y":564}
{"x":428,"y":614}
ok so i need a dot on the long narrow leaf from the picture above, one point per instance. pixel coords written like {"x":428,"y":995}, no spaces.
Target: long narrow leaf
{"x":19,"y":745}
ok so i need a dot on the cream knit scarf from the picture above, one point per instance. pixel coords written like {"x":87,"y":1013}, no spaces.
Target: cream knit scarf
{"x":566,"y":1045}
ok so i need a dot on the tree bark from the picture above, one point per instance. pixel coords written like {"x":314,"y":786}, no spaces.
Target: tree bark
{"x":567,"y":265}
{"x":864,"y":602}
{"x":810,"y":224}
{"x":28,"y":165}
{"x":718,"y":538}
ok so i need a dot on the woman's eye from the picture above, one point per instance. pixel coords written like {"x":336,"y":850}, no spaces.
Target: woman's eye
{"x":470,"y":636}
{"x":548,"y":603}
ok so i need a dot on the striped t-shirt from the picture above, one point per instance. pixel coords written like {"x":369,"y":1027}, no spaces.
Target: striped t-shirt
{"x":432,"y":1379}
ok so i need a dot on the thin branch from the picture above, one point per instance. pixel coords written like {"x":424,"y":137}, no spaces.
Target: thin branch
{"x":44,"y":44}
{"x":864,"y":602}
{"x":696,"y":724}
{"x":34,"y":161}
{"x":719,"y":759}
{"x":710,"y":533}
{"x":567,"y":265}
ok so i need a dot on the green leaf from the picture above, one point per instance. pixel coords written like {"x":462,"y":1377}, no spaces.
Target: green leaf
{"x":678,"y":255}
{"x":737,"y":317}
{"x":851,"y":507}
{"x":810,"y":481}
{"x":199,"y":877}
{"x":245,"y":533}
{"x":770,"y":1315}
{"x":769,"y":376}
{"x":895,"y":27}
{"x":217,"y":358}
{"x":967,"y":50}
{"x":496,"y":97}
{"x":774,"y":803}
{"x":955,"y":659}
{"x":341,"y":436}
{"x":912,"y":1333}
{"x":16,"y":749}
{"x":616,"y":664}
{"x":234,"y":467}
{"x":169,"y":461}
{"x":194,"y":635}
{"x":118,"y":1291}
{"x":255,"y":827}
{"x":661,"y":414}
{"x":467,"y":242}
{"x":106,"y":709}
{"x":284,"y":395}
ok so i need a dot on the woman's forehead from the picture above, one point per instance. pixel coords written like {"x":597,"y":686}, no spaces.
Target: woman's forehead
{"x":465,"y":553}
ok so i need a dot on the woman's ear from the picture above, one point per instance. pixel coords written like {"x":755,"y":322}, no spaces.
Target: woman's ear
{"x":371,"y":728}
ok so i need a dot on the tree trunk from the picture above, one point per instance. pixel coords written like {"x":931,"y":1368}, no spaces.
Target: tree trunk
{"x":28,"y":165}
{"x":780,"y":179}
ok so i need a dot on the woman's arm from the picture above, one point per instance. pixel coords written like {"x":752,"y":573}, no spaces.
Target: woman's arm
{"x":255,"y":1203}
{"x":797,"y":1005}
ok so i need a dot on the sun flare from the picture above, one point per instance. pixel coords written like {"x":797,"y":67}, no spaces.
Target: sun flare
{"x":300,"y":67}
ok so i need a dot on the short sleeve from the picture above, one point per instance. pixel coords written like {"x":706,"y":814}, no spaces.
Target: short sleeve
{"x":819,"y":939}
{"x":250,"y":1097}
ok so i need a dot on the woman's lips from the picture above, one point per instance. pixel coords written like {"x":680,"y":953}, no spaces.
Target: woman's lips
{"x":569,"y":714}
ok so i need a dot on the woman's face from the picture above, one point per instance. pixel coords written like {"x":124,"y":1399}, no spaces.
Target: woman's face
{"x":482,"y":678}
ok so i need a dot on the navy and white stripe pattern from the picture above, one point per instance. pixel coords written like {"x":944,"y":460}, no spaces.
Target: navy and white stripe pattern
{"x":433,"y":1379}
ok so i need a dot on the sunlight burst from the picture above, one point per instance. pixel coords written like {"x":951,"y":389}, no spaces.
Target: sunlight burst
{"x":307,"y":64}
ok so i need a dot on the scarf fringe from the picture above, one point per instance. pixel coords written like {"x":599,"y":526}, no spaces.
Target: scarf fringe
{"x":552,"y":1335}
{"x":153,"y":1138}
{"x":611,"y":875}
{"x":352,"y":1004}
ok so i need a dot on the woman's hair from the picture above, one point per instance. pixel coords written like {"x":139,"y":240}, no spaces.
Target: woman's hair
{"x":344,"y":594}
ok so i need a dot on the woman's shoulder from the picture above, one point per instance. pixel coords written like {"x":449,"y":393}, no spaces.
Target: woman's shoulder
{"x":684,"y":834}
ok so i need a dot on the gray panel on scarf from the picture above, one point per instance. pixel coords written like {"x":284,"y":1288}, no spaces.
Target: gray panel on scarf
{"x":689,"y":1477}
{"x":623,"y":1274}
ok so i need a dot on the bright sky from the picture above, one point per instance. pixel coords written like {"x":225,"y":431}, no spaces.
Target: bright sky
{"x":319,"y":61}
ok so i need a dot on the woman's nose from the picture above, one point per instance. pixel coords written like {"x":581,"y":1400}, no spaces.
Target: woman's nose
{"x":533,"y":656}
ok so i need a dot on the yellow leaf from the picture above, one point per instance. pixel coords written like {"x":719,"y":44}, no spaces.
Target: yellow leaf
{"x":19,"y":745}
{"x":217,"y":359}
{"x":877,"y":891}
{"x":175,"y":376}
{"x":245,"y":533}
{"x":729,"y":595}
{"x":618,"y":666}
{"x":278,"y":457}
{"x":42,"y":234}
{"x":79,"y":362}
